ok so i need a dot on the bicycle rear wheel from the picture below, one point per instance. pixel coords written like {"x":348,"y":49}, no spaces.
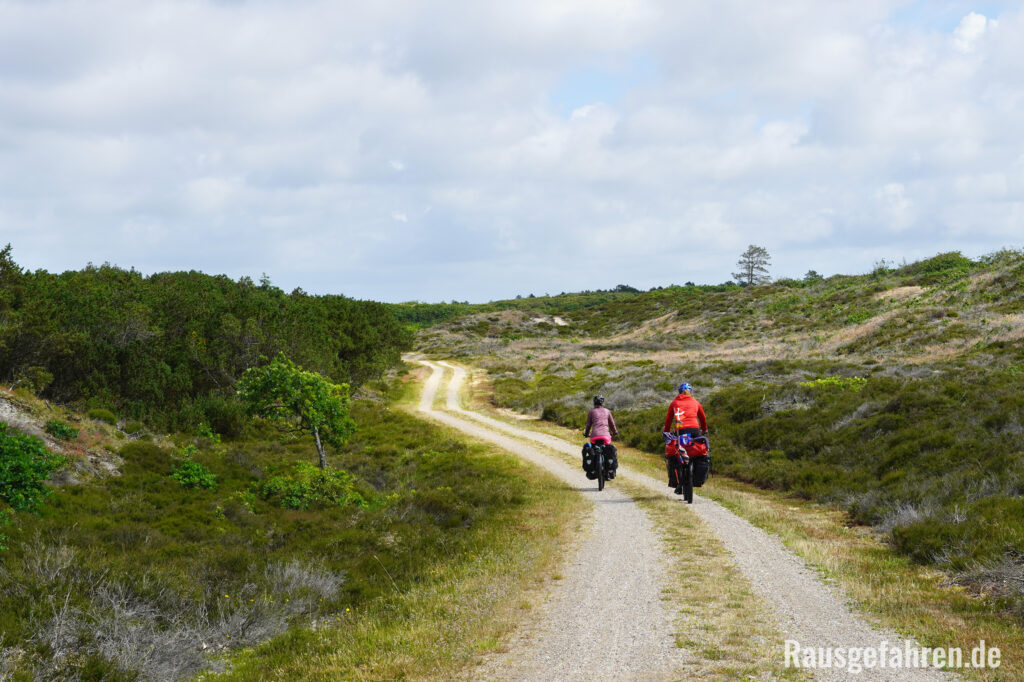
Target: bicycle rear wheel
{"x":600,"y":468}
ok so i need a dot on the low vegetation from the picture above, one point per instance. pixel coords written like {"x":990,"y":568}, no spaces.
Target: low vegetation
{"x":196,"y":551}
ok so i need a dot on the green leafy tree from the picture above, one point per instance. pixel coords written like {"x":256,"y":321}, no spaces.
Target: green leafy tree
{"x":753,"y":266}
{"x":299,"y":401}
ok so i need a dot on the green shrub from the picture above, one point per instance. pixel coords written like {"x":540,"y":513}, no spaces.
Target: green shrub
{"x":62,"y":430}
{"x":192,"y":474}
{"x":840,"y":383}
{"x":937,"y":268}
{"x":134,"y":428}
{"x":102,"y":415}
{"x":25,"y":464}
{"x":309,"y":487}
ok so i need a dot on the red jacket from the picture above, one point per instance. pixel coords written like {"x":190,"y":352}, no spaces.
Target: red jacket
{"x":685,"y":413}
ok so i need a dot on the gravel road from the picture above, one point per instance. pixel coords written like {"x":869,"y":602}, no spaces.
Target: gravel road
{"x":806,"y":609}
{"x":605,"y":619}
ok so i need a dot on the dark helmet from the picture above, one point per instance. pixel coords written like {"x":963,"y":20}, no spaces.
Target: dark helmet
{"x":598,"y":400}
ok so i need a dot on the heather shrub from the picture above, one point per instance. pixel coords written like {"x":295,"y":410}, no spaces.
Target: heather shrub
{"x":103,"y":415}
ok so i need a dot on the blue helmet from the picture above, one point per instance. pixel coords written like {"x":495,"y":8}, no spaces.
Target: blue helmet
{"x":685,"y":387}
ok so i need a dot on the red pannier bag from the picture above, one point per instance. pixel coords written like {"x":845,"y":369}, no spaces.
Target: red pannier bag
{"x":696,"y":449}
{"x":693,"y":449}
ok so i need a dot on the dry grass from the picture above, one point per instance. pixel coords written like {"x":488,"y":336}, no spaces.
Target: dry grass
{"x":858,"y":331}
{"x":899,"y":294}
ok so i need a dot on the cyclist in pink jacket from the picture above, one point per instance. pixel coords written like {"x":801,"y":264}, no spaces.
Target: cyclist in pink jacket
{"x":600,"y":423}
{"x":600,"y":428}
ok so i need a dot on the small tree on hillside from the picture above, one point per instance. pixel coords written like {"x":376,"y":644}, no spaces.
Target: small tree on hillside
{"x":300,"y":401}
{"x":753,"y":266}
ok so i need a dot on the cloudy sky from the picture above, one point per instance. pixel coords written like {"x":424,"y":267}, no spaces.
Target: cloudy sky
{"x":409,"y":150}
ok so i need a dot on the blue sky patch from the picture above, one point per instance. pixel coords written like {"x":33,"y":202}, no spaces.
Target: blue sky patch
{"x":607,"y":84}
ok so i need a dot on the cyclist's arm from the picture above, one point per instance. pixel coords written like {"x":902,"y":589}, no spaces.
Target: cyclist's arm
{"x":611,"y":425}
{"x":668,"y":419}
{"x":703,"y":420}
{"x":590,"y":423}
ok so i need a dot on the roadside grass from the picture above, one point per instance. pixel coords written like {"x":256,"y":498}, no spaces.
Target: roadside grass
{"x":719,"y":619}
{"x":886,"y":586}
{"x":461,"y":607}
{"x":914,"y":600}
{"x":132,"y":576}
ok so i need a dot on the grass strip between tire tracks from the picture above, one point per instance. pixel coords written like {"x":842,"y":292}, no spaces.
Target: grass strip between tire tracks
{"x":718,"y":617}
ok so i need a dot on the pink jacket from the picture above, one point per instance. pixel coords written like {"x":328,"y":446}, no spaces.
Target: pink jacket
{"x":600,"y":423}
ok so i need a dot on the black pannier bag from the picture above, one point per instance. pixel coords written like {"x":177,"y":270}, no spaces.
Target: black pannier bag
{"x":588,"y":461}
{"x":701,"y":468}
{"x":611,"y":455}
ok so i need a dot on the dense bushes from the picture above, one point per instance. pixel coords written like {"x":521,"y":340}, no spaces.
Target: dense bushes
{"x":169,"y":347}
{"x":192,"y":474}
{"x":309,"y":487}
{"x":25,"y":464}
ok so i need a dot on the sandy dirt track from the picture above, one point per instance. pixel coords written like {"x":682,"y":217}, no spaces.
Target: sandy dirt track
{"x":805,"y":608}
{"x":606,"y":619}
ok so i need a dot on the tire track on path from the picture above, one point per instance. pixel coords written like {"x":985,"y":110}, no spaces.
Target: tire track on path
{"x":805,"y":608}
{"x":605,"y":620}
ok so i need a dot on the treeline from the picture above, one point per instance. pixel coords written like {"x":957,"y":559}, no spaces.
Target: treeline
{"x":169,"y":347}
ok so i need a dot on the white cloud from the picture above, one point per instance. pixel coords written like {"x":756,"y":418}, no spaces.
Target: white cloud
{"x":969,"y":31}
{"x":237,"y":137}
{"x":897,"y":208}
{"x":210,"y":194}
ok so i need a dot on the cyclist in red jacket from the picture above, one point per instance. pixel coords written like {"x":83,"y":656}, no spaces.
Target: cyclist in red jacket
{"x":685,"y":416}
